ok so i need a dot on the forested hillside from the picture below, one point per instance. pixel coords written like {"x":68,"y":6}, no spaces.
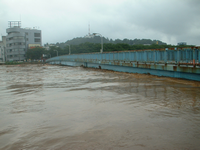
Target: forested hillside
{"x":97,"y":39}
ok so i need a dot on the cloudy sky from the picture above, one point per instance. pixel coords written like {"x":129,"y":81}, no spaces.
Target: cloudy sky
{"x":170,"y":21}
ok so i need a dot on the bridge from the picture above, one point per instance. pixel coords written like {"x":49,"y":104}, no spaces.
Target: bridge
{"x":170,"y":62}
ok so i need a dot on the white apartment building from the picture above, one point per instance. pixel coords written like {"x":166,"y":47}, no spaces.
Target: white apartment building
{"x":3,"y":49}
{"x":18,"y":40}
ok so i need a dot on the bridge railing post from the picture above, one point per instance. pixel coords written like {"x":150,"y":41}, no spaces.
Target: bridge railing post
{"x":155,"y":57}
{"x":178,"y":57}
{"x":194,"y":57}
{"x":136,"y":53}
{"x":165,"y":56}
{"x":198,"y":55}
{"x":186,"y":55}
{"x":145,"y":56}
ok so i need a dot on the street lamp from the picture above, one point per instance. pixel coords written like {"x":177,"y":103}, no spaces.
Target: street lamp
{"x":94,"y":34}
{"x":69,"y":49}
{"x":57,"y":52}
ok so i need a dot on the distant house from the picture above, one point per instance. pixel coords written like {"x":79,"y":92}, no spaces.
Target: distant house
{"x":181,"y":43}
{"x":47,"y":46}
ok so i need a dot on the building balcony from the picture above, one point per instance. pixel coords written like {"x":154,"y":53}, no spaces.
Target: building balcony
{"x":16,"y":53}
{"x":11,"y":30}
{"x":15,"y":47}
{"x":19,"y":58}
{"x":15,"y":41}
{"x":15,"y":34}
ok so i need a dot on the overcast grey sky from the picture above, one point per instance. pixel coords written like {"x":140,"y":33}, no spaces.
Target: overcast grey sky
{"x":170,"y":21}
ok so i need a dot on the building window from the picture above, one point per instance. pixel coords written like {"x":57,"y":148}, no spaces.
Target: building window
{"x":37,"y":40}
{"x":20,"y":43}
{"x":37,"y":35}
{"x":26,"y":39}
{"x":26,"y":33}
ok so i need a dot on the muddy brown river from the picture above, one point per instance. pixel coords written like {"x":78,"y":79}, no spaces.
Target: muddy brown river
{"x":58,"y":107}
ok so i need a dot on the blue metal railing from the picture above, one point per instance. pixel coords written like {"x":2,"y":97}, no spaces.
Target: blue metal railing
{"x":189,"y":56}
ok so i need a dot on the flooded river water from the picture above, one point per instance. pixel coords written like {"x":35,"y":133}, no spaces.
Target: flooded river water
{"x":59,"y":107}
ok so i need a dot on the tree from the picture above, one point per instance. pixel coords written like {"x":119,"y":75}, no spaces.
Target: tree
{"x":35,"y":53}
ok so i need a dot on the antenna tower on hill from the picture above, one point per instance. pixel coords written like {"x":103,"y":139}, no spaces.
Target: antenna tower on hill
{"x":89,"y":29}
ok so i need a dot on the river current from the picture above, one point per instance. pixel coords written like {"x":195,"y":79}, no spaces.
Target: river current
{"x":59,"y":107}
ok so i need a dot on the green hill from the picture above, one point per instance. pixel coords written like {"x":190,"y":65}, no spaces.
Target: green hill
{"x":97,"y":39}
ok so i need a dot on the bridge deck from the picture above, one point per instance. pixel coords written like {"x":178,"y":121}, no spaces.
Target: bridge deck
{"x":181,"y":63}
